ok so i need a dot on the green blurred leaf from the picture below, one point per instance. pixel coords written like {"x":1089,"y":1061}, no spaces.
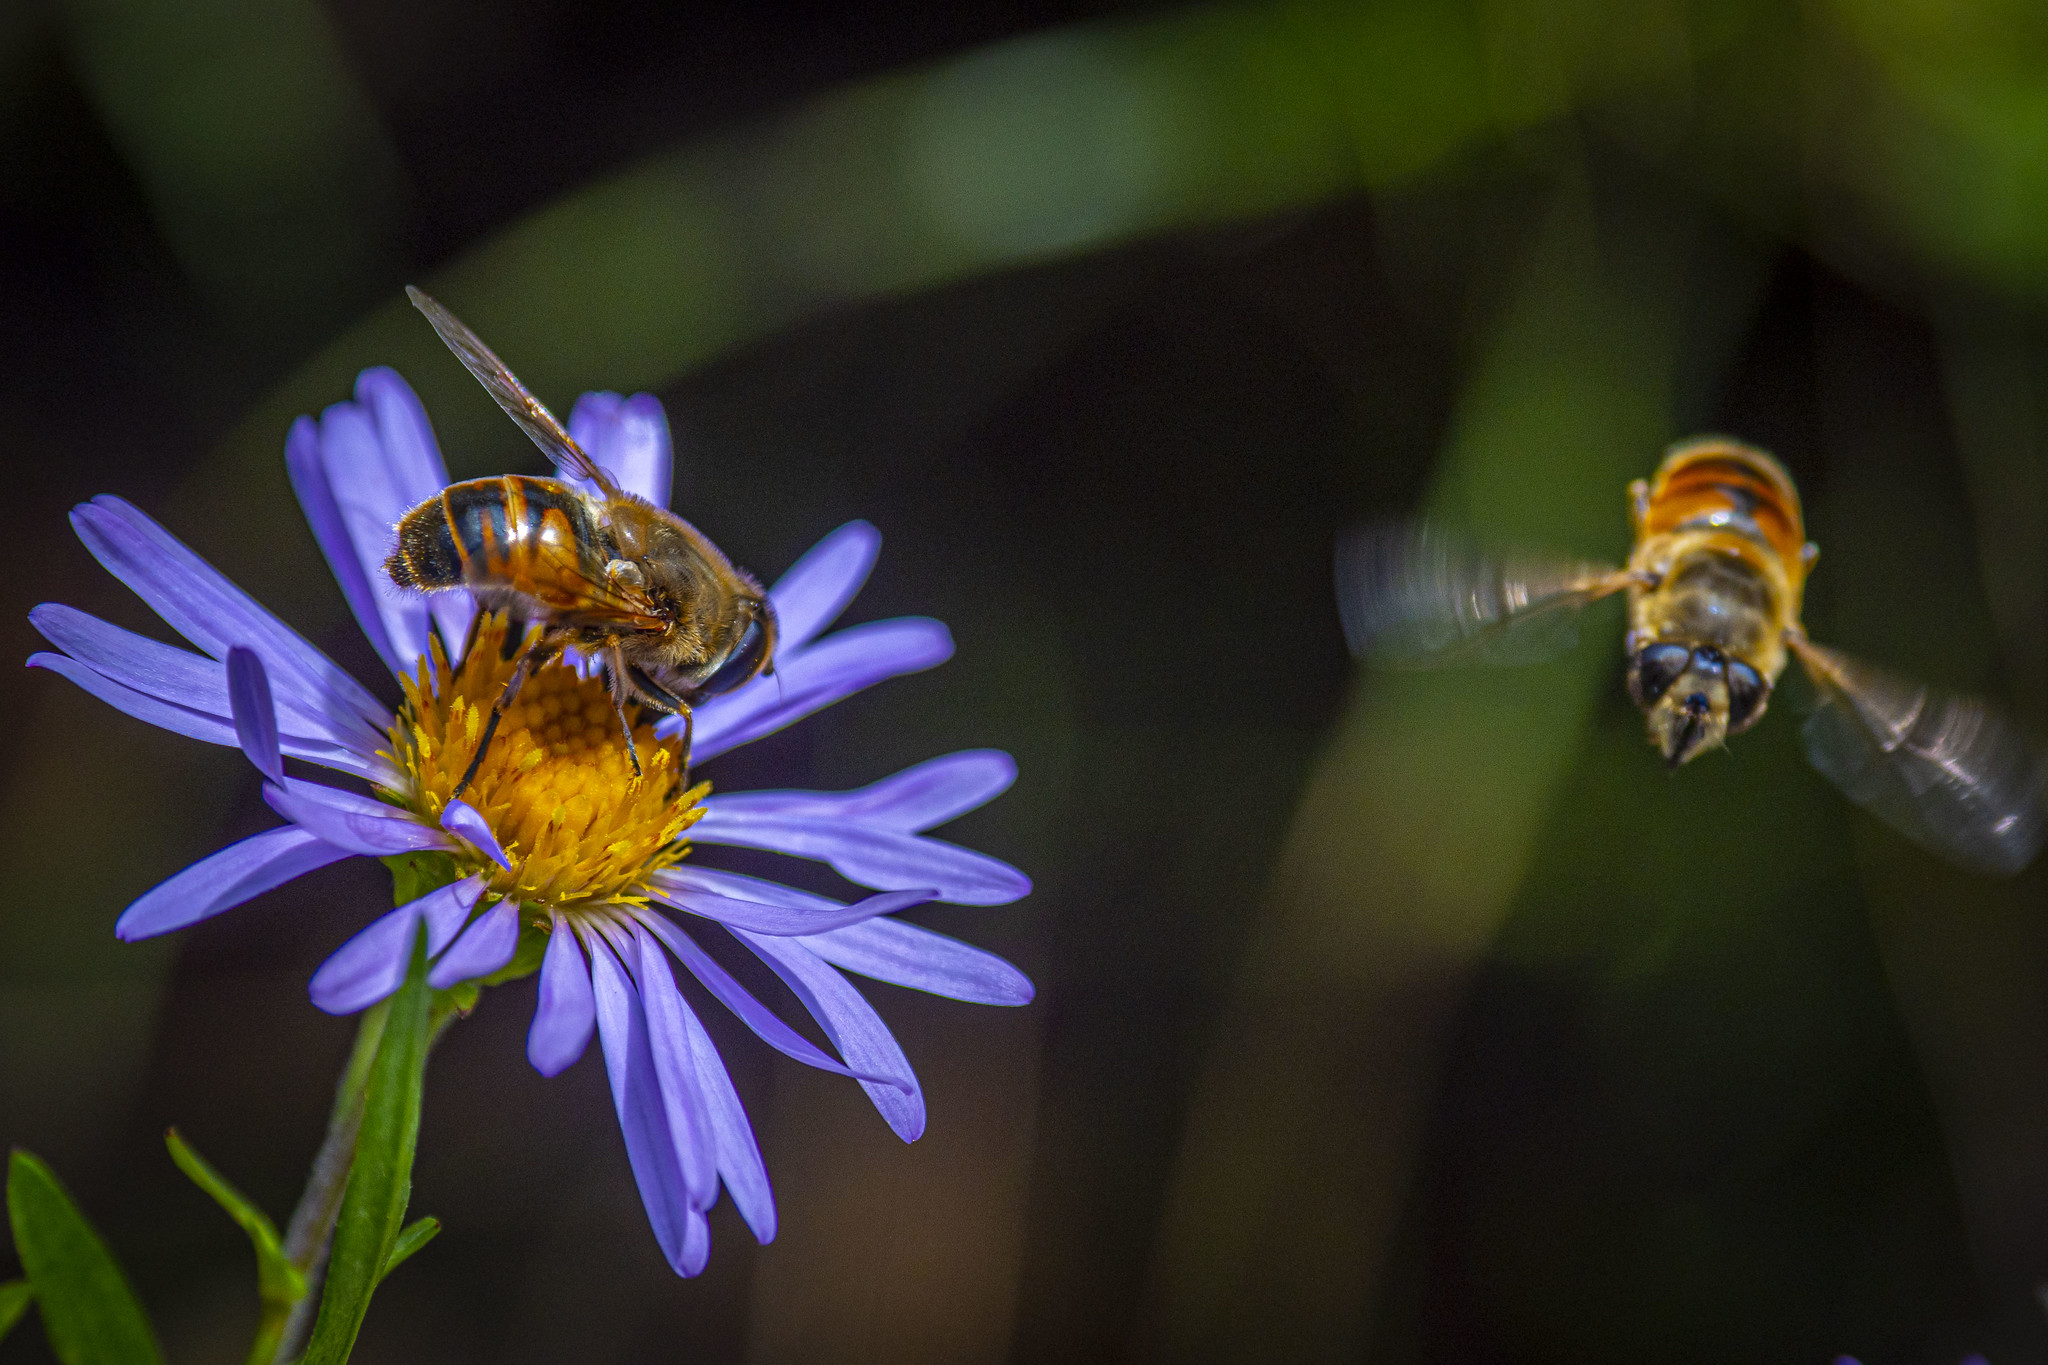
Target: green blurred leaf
{"x":89,"y":1313}
{"x":15,"y":1297}
{"x":380,"y":1180}
{"x":277,"y":1279}
{"x":415,"y":1236}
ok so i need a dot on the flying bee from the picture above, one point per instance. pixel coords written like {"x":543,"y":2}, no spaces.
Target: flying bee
{"x":608,"y":574}
{"x":1714,"y":584}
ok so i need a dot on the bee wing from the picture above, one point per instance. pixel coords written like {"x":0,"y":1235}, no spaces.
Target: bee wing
{"x":555,"y":576}
{"x":514,"y":397}
{"x":1419,"y":596}
{"x":1948,"y":772}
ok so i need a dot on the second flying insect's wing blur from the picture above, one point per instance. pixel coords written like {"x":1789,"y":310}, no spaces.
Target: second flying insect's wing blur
{"x":1416,"y":595}
{"x":1951,"y":773}
{"x":1948,"y":772}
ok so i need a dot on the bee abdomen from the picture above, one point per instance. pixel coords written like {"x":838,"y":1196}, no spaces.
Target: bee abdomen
{"x":486,"y":532}
{"x":426,"y":557}
{"x":1716,"y":481}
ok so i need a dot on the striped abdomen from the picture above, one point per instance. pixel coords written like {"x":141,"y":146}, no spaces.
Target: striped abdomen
{"x":1722,"y":484}
{"x":1720,"y":539}
{"x":536,"y":537}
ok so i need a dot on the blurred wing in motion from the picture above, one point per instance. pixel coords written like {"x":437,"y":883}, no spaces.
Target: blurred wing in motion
{"x":1948,"y":772}
{"x":520,"y":404}
{"x":1416,"y":595}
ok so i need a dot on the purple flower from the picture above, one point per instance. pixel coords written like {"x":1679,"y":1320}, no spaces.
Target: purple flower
{"x":556,"y":833}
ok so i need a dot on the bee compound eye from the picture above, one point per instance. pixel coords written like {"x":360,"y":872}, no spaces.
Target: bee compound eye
{"x":1654,"y":669}
{"x":746,"y":659}
{"x":1746,"y":693}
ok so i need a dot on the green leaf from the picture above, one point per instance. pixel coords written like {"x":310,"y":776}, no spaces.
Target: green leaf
{"x":279,"y":1283}
{"x":89,"y":1313}
{"x":277,"y":1280}
{"x":380,"y":1179}
{"x":15,"y":1297}
{"x":415,"y":1236}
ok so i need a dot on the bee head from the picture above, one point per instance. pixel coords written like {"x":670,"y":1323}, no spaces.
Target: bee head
{"x":1695,"y":697}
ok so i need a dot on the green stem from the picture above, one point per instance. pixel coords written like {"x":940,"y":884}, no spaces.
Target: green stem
{"x":283,"y":1329}
{"x":281,"y":1334}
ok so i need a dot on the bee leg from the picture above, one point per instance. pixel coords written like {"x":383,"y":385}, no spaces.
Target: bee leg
{"x":626,"y":728}
{"x":543,"y":649}
{"x":621,"y":689}
{"x":658,"y":698}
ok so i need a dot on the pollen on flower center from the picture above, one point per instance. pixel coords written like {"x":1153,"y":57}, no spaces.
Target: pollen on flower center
{"x":556,"y":786}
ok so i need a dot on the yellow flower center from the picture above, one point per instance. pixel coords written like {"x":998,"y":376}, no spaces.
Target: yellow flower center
{"x":556,"y":786}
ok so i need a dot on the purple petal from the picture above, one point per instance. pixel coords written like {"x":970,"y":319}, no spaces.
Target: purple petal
{"x":135,"y":661}
{"x":303,"y":461}
{"x":212,"y":728}
{"x":203,"y":606}
{"x":880,"y":858}
{"x":629,"y":438}
{"x":417,"y":473}
{"x":405,"y":438}
{"x":590,"y":421}
{"x":636,"y":1095}
{"x":910,"y":955}
{"x":354,"y":803}
{"x":767,"y":1026}
{"x":237,"y":873}
{"x":356,"y":823}
{"x":485,"y":946}
{"x":466,"y":820}
{"x":563,"y":1019}
{"x":371,"y":504}
{"x":675,"y":1066}
{"x":372,"y":965}
{"x":739,"y":886}
{"x":732,"y":1137}
{"x":810,"y":596}
{"x":933,"y":792}
{"x":915,"y":799}
{"x":811,"y":679}
{"x":768,"y":918}
{"x":255,"y":717}
{"x":183,"y":678}
{"x":852,"y":1025}
{"x":179,"y":720}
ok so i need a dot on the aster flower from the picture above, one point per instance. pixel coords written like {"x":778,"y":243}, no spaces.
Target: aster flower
{"x":556,"y":842}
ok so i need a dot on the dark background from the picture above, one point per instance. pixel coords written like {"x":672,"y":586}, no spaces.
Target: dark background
{"x":1391,"y":1018}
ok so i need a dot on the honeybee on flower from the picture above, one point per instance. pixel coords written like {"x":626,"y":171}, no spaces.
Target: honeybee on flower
{"x":554,"y":849}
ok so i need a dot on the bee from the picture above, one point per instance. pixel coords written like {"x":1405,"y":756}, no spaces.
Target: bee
{"x":610,"y":575}
{"x":1714,"y":586}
